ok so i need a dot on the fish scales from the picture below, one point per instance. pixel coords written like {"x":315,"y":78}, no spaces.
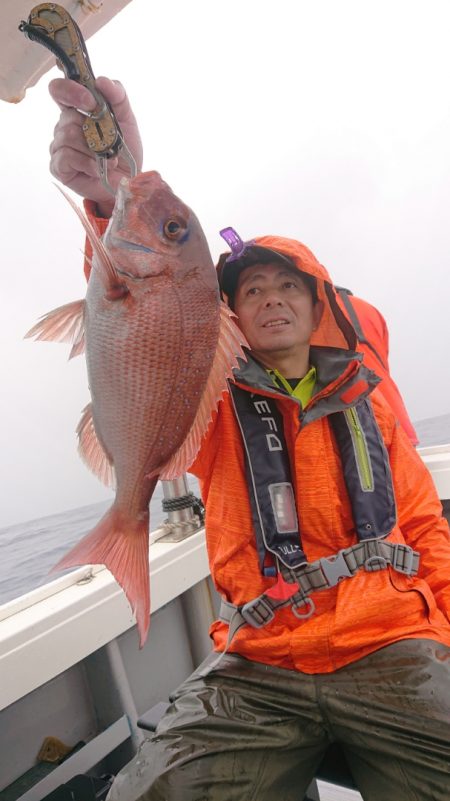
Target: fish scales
{"x":160,"y":346}
{"x":166,"y":336}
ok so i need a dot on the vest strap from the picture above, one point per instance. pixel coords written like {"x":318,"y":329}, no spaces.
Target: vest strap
{"x":371,"y":555}
{"x":268,"y":472}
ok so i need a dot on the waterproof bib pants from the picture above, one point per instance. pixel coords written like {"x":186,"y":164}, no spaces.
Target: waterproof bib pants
{"x":244,"y":731}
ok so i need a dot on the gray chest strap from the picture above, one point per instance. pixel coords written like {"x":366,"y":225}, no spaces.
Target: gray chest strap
{"x":371,"y":555}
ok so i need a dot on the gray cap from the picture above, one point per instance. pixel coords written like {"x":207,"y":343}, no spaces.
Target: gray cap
{"x":229,"y":268}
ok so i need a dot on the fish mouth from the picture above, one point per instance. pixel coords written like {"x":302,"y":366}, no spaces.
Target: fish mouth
{"x":132,"y":275}
{"x":126,"y":244}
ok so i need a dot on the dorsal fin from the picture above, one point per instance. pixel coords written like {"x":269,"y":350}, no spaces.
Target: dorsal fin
{"x":229,"y":348}
{"x":104,"y":265}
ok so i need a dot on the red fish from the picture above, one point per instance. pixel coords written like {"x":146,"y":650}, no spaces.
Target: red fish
{"x":159,"y":347}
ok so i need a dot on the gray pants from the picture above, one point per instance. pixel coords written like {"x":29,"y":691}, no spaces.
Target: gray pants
{"x":243,"y":731}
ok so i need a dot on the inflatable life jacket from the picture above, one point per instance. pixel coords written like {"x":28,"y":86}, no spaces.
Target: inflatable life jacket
{"x":368,"y":480}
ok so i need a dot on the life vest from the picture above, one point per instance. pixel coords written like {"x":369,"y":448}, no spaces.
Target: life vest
{"x":368,"y":479}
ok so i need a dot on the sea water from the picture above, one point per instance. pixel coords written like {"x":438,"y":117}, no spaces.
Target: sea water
{"x":28,"y":551}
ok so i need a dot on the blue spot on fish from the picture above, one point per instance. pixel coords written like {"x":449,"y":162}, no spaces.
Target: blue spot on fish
{"x":123,"y":243}
{"x":185,"y":237}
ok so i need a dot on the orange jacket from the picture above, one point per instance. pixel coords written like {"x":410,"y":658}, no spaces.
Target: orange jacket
{"x":360,"y":614}
{"x":376,"y":332}
{"x":363,"y":613}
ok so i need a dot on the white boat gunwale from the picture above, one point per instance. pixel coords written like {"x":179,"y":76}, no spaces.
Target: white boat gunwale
{"x":71,"y":620}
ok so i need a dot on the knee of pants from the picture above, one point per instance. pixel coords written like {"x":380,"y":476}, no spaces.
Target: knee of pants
{"x":177,"y":783}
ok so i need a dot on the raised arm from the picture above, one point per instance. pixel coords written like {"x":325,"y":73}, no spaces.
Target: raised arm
{"x":72,"y":163}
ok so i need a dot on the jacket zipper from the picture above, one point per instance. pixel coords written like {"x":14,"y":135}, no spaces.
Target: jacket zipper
{"x":361,"y":450}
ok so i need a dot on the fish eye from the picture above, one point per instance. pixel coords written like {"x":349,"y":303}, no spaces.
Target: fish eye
{"x":171,"y":229}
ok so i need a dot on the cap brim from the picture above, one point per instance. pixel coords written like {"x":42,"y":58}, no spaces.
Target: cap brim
{"x":230,"y":269}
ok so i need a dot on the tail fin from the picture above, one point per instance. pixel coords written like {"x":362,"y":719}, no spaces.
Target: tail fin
{"x":121,"y":544}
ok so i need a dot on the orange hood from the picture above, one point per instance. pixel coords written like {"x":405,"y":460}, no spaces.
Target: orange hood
{"x":334,"y":331}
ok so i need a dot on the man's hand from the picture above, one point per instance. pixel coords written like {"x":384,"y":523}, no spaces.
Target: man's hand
{"x":72,"y":162}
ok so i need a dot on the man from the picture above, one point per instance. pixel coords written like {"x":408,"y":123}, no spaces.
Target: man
{"x":326,"y":542}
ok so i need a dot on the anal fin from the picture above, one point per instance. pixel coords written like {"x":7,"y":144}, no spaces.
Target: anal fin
{"x":91,"y":449}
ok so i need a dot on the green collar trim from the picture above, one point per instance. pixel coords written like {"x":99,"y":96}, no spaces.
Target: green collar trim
{"x":303,"y":390}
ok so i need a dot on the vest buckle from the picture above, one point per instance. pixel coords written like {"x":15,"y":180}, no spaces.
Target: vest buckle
{"x":335,"y":568}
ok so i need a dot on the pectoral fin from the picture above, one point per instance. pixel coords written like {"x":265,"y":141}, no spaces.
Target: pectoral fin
{"x":229,"y":348}
{"x":64,"y":324}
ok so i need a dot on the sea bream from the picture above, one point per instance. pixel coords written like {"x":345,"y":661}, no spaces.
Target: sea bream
{"x":159,"y":347}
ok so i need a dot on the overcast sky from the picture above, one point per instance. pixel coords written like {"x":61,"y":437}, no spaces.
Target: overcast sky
{"x":324,"y":121}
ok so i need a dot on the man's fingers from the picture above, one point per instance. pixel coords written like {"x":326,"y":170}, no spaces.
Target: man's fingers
{"x":113,"y":91}
{"x":70,"y":94}
{"x":69,"y":116}
{"x":67,"y":162}
{"x":72,"y":161}
{"x":69,"y":134}
{"x":67,"y":93}
{"x":115,"y":94}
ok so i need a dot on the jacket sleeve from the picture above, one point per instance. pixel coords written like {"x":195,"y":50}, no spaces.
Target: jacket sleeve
{"x":420,"y":517}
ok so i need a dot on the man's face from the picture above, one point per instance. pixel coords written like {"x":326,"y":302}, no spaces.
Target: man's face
{"x":275,"y":310}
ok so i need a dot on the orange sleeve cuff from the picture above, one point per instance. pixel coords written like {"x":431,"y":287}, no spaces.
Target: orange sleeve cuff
{"x":100,"y":224}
